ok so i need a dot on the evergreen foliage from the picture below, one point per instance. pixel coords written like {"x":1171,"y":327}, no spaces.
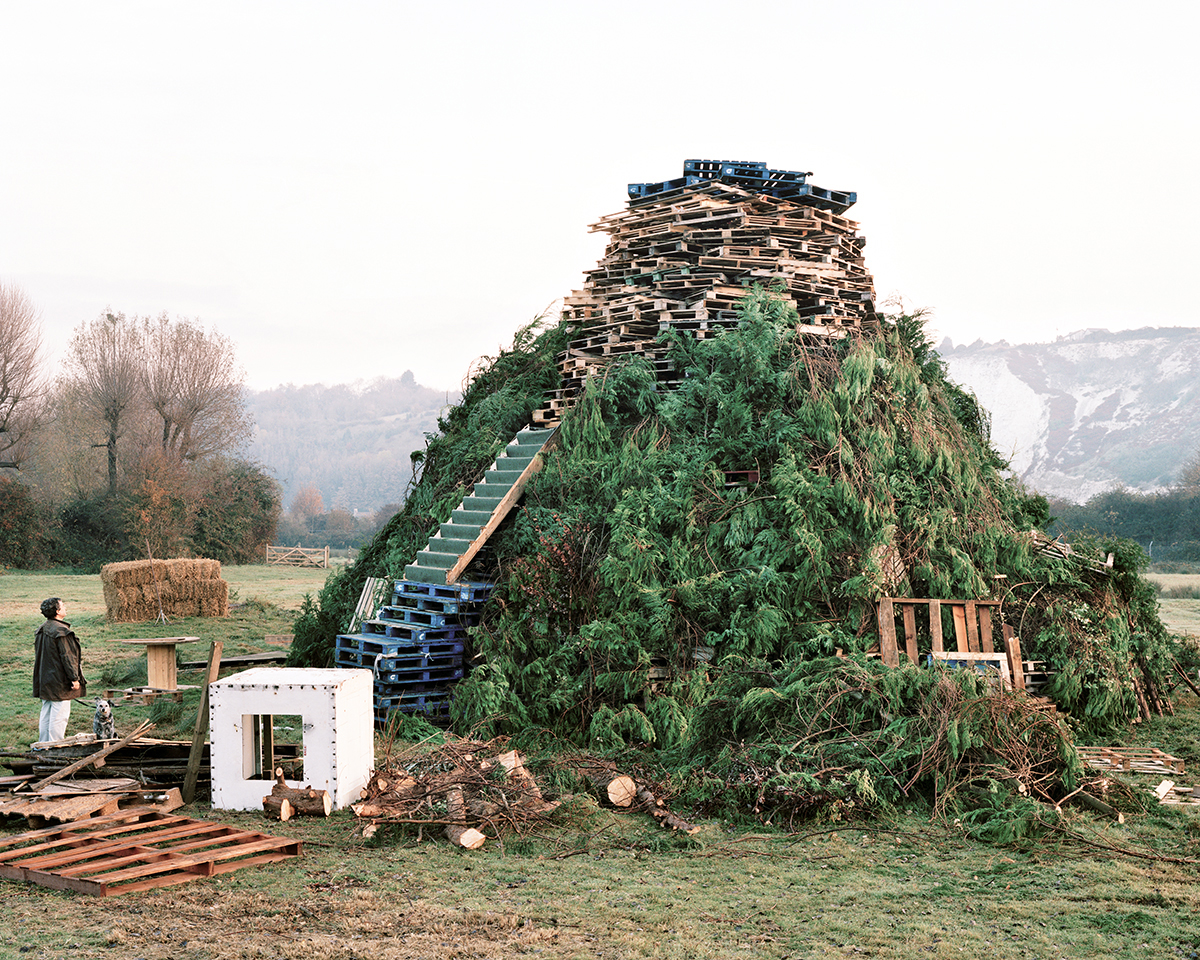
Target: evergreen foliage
{"x":498,"y":401}
{"x":729,"y":536}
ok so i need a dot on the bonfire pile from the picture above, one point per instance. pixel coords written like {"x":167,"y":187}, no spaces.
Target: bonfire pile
{"x":476,"y":790}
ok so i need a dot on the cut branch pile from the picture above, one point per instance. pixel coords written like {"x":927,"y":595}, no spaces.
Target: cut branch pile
{"x":473,"y":789}
{"x":476,"y":790}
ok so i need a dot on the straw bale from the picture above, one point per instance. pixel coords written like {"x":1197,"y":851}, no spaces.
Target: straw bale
{"x":140,"y":590}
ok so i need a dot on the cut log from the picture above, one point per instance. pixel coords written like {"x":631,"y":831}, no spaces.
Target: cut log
{"x":521,"y":778}
{"x":304,"y":800}
{"x":617,"y":788}
{"x":279,"y":808}
{"x":459,"y":833}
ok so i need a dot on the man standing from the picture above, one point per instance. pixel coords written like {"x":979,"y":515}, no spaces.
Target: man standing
{"x":57,"y":671}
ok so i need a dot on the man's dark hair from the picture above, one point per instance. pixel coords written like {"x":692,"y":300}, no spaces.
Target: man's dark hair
{"x":50,"y":607}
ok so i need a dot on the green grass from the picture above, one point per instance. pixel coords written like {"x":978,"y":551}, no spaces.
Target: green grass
{"x":264,"y":601}
{"x":594,"y":883}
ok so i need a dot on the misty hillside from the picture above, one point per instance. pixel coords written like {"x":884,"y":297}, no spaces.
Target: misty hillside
{"x":1075,"y":417}
{"x":1090,"y":410}
{"x":351,"y":441}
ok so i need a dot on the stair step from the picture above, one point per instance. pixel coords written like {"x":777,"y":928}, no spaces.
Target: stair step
{"x":500,"y":477}
{"x":486,"y":503}
{"x":421,"y":574}
{"x":526,"y":437}
{"x":441,"y":561}
{"x":454,"y":545}
{"x":464,"y":516}
{"x":458,"y":531}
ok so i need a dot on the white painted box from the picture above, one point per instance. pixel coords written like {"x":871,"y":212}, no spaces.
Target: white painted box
{"x":339,"y":732}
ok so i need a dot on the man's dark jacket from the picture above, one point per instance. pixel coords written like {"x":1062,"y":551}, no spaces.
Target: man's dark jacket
{"x":57,"y":662}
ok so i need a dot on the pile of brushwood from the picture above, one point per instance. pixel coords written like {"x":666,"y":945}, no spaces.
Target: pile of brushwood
{"x":474,"y":790}
{"x":692,"y":579}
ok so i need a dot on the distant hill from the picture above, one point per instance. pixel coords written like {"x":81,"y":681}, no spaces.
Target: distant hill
{"x":1075,"y":417}
{"x":351,"y":441}
{"x":1091,"y":410}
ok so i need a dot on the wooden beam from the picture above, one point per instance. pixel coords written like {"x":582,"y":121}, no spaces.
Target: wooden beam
{"x":1016,"y":665}
{"x":985,"y":629}
{"x":197,"y":752}
{"x":887,"y":633}
{"x":959,"y":612}
{"x":972,"y":626}
{"x":935,"y":625}
{"x":909,"y":614}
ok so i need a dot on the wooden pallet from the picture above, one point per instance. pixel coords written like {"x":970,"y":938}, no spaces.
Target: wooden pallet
{"x":1172,"y":794}
{"x":70,"y":801}
{"x":137,"y":849}
{"x":1130,"y":760}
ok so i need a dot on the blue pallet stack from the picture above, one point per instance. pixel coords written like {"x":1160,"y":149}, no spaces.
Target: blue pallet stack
{"x":752,"y":174}
{"x":416,"y":646}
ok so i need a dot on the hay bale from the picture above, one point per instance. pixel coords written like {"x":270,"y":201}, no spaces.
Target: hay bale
{"x":138,"y":590}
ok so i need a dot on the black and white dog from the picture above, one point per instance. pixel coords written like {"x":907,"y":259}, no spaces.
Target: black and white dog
{"x":102,"y":723}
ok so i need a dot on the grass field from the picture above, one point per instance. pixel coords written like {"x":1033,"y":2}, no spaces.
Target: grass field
{"x":600,"y":885}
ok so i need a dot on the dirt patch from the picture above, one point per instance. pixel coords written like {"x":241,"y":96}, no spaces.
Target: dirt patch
{"x":337,"y":921}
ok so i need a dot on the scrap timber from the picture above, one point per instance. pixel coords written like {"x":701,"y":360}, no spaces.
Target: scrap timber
{"x":685,"y":251}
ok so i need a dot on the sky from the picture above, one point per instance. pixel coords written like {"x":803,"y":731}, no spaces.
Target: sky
{"x":350,"y":190}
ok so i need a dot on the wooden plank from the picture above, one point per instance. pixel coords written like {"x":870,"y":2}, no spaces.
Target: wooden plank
{"x":144,"y":727}
{"x":958,"y":611}
{"x":196,"y":753}
{"x":972,"y":627}
{"x":1012,"y":647}
{"x":887,"y":633}
{"x":985,"y":630}
{"x":501,"y":511}
{"x":935,"y":624}
{"x":909,"y":615}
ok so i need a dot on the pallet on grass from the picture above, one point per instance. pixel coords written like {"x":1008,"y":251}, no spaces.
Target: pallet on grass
{"x":137,"y":849}
{"x":1131,"y":760}
{"x":71,"y":800}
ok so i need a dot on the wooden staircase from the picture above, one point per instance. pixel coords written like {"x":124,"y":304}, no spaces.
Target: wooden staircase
{"x":451,"y":549}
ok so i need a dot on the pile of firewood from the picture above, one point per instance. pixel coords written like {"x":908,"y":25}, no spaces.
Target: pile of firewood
{"x":475,"y":790}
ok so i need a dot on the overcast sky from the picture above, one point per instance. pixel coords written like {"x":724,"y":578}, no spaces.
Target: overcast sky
{"x":350,"y":190}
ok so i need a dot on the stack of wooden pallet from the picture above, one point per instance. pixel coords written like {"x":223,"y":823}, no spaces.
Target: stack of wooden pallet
{"x":682,"y":257}
{"x":415,"y":646}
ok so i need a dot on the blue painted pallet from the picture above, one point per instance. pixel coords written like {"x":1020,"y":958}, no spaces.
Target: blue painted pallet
{"x":395,"y":681}
{"x":434,"y":604}
{"x":386,"y":662}
{"x":427,"y":617}
{"x":449,"y":591}
{"x":350,"y":651}
{"x":353,"y":658}
{"x":430,"y":706}
{"x":379,"y":630}
{"x":711,"y":169}
{"x":414,"y":701}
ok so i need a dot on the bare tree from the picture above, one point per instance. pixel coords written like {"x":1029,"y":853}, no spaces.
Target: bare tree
{"x":21,"y":387}
{"x":1189,"y":475}
{"x":196,"y":388}
{"x":105,"y":365}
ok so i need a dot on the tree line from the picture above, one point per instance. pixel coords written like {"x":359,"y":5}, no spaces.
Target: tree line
{"x":133,"y":446}
{"x":1166,"y":524}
